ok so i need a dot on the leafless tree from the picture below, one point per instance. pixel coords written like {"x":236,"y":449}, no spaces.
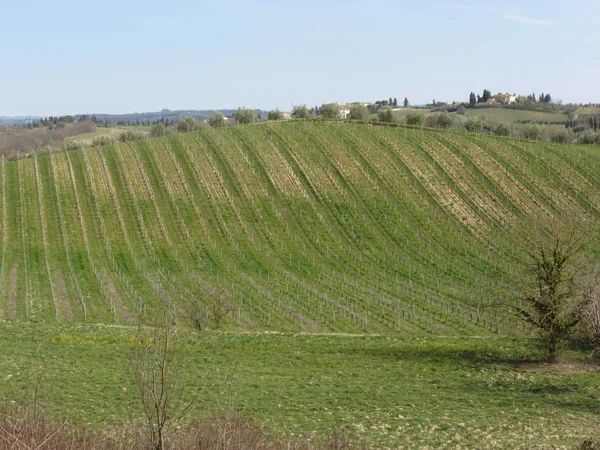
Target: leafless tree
{"x":591,"y":313}
{"x":158,"y":371}
{"x":220,"y":308}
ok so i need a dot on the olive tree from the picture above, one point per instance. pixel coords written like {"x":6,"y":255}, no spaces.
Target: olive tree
{"x":187,"y":124}
{"x":415,"y":118}
{"x":358,"y":112}
{"x":385,"y":115}
{"x":330,"y":111}
{"x":300,"y":112}
{"x":216,"y":120}
{"x":275,"y":114}
{"x":473,"y":124}
{"x":443,"y":120}
{"x":243,"y":116}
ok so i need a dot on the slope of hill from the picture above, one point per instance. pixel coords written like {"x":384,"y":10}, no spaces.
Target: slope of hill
{"x":511,"y":115}
{"x":298,"y":226}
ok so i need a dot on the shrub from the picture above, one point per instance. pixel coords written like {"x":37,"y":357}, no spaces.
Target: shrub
{"x":216,"y":120}
{"x":330,"y":111}
{"x":300,"y":112}
{"x":187,"y":124}
{"x":562,"y":136}
{"x":358,"y":112}
{"x":128,"y":136}
{"x":443,"y":120}
{"x":533,"y":132}
{"x":275,"y":114}
{"x":102,"y":140}
{"x":159,"y":130}
{"x":385,"y":115}
{"x":589,"y":137}
{"x":473,"y":124}
{"x":502,"y":129}
{"x":415,"y":118}
{"x":244,"y":116}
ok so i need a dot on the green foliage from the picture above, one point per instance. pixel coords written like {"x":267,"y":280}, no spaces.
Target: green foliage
{"x":216,"y":120}
{"x":554,"y":306}
{"x":502,"y":129}
{"x":588,"y":137}
{"x":159,"y":130}
{"x":385,"y":115}
{"x":415,"y":118}
{"x":562,"y":136}
{"x":275,"y":114}
{"x":330,"y":111}
{"x":473,"y":124}
{"x":128,"y":136}
{"x":406,"y":104}
{"x":300,"y":112}
{"x":358,"y":112}
{"x":102,"y":140}
{"x":443,"y":120}
{"x":244,"y":116}
{"x":533,"y":132}
{"x":187,"y":125}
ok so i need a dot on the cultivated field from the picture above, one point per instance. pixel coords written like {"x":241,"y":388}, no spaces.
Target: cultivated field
{"x":516,"y":115}
{"x":317,"y":227}
{"x":358,"y":264}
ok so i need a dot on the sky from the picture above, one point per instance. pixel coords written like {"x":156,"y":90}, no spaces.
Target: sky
{"x":122,"y":56}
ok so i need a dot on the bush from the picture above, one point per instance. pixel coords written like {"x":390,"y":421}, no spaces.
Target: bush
{"x":473,"y":124}
{"x":589,"y":137}
{"x":562,"y":136}
{"x":444,"y":120}
{"x":102,"y":140}
{"x":330,"y":111}
{"x":415,"y":118}
{"x":358,"y":112}
{"x":502,"y":129}
{"x":128,"y":136}
{"x":533,"y":132}
{"x":159,"y":130}
{"x":385,"y":115}
{"x":275,"y":114}
{"x":216,"y":120}
{"x":187,"y":124}
{"x":300,"y":112}
{"x":244,"y":116}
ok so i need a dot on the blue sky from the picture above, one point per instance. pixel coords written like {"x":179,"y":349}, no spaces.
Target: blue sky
{"x":118,"y":56}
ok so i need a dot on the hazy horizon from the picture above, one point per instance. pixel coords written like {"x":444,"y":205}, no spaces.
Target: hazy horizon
{"x":145,"y":56}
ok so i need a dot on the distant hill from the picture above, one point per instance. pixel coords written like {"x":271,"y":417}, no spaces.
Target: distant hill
{"x":173,"y":116}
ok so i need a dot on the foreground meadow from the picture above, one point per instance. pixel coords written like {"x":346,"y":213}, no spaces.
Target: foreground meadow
{"x":395,"y":392}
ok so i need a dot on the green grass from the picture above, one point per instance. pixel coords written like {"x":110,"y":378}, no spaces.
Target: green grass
{"x":112,"y":132}
{"x":302,"y":226}
{"x":588,"y":111}
{"x":477,"y":392}
{"x":516,"y":115}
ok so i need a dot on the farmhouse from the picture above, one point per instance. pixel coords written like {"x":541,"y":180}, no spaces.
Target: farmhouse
{"x":344,"y":110}
{"x":505,"y":99}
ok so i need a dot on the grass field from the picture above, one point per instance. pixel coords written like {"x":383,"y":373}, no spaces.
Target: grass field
{"x":516,"y":116}
{"x":112,"y":132}
{"x":588,"y":111}
{"x":410,"y":392}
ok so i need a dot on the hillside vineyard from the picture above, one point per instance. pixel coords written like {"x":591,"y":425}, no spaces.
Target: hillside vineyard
{"x":298,"y":226}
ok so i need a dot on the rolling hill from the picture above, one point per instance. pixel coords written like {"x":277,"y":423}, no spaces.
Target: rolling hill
{"x":299,"y":226}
